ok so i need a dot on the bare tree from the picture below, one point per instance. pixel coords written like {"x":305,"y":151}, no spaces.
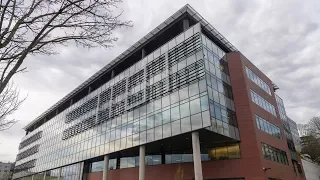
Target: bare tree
{"x":311,"y":140}
{"x":9,"y":103}
{"x":29,"y":27}
{"x":314,"y":126}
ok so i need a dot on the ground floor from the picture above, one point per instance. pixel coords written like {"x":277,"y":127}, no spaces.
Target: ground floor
{"x":200,"y":155}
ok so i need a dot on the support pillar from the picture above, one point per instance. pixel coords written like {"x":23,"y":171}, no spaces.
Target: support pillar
{"x":81,"y":170}
{"x":32,"y":176}
{"x":105,"y":167}
{"x":59,"y":176}
{"x":196,"y":156}
{"x":44,"y":175}
{"x":142,"y":164}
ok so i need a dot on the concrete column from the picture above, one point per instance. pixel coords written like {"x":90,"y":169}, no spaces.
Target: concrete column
{"x":142,"y":164}
{"x":59,"y":176}
{"x":44,"y":175}
{"x":32,"y":177}
{"x":186,"y":24}
{"x":81,"y":170}
{"x":196,"y":156}
{"x":105,"y":167}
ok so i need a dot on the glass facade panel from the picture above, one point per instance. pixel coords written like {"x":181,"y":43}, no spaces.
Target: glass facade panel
{"x":253,"y":77}
{"x":257,"y":99}
{"x":268,"y":127}
{"x":273,"y":154}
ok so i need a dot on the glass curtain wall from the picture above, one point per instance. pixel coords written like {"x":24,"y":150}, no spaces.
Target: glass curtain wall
{"x":181,"y":87}
{"x":162,"y":95}
{"x":286,"y":127}
{"x":222,"y":110}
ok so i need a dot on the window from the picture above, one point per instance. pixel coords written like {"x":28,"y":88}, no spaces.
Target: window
{"x":254,"y":78}
{"x":274,"y":154}
{"x":257,"y":99}
{"x":96,"y":167}
{"x":268,"y":127}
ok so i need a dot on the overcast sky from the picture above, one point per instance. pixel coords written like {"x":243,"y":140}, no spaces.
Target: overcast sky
{"x":282,"y":38}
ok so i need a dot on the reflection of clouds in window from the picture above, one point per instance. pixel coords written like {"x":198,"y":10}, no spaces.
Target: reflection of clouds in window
{"x":158,"y":119}
{"x":157,"y":104}
{"x":166,"y":116}
{"x":175,"y":127}
{"x":184,"y":110}
{"x":129,"y":141}
{"x":174,"y":97}
{"x":165,"y":101}
{"x":135,"y":139}
{"x":150,"y":135}
{"x":117,"y":145}
{"x":123,"y":142}
{"x":175,"y":114}
{"x":196,"y":121}
{"x":185,"y":124}
{"x":206,"y":119}
{"x":166,"y":130}
{"x":193,"y":89}
{"x":150,"y":122}
{"x":143,"y":124}
{"x":184,"y":93}
{"x":158,"y":133}
{"x":195,"y":106}
{"x":143,"y":137}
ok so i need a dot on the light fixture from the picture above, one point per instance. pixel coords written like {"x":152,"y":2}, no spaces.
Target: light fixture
{"x":266,"y":169}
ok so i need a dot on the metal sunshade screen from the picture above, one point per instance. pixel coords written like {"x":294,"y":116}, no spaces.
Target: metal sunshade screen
{"x":81,"y":110}
{"x":136,"y":79}
{"x":184,"y":49}
{"x":79,"y":128}
{"x":30,"y":140}
{"x":156,"y":66}
{"x":119,"y":88}
{"x":25,"y":166}
{"x":105,"y":97}
{"x":28,"y":152}
{"x":192,"y":73}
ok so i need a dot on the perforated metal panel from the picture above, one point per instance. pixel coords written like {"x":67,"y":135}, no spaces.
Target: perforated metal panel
{"x":81,"y":110}
{"x":192,"y":73}
{"x":136,"y":79}
{"x":25,"y":166}
{"x":119,"y":88}
{"x":28,"y":152}
{"x":105,"y":96}
{"x":79,"y":128}
{"x":30,"y":140}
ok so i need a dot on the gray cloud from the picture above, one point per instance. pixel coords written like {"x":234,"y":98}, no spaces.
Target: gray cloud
{"x":279,"y":37}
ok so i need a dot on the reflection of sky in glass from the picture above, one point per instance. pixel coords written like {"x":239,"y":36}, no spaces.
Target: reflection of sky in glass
{"x":177,"y":112}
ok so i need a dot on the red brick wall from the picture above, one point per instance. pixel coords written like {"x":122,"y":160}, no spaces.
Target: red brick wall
{"x":237,"y":63}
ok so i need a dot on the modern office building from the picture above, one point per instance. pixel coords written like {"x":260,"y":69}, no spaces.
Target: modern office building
{"x":295,"y":134}
{"x":181,"y":103}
